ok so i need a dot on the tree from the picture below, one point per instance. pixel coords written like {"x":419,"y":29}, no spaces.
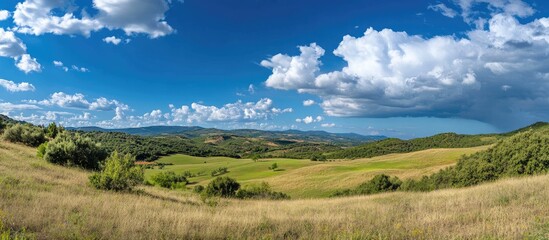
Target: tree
{"x":222,"y":187}
{"x":52,"y":130}
{"x":273,"y":167}
{"x":25,"y":133}
{"x":119,"y":173}
{"x":74,"y":150}
{"x":169,"y":180}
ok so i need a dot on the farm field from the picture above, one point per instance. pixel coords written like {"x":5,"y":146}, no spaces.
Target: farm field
{"x":308,"y":179}
{"x":46,"y":201}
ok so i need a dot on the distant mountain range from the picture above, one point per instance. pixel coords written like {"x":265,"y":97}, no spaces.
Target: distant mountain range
{"x":199,"y":132}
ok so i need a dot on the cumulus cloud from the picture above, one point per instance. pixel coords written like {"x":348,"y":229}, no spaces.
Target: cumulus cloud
{"x":112,"y":40}
{"x":308,"y":103}
{"x":16,"y":87}
{"x":443,"y":9}
{"x":328,"y":125}
{"x":291,"y":72}
{"x":390,"y":73}
{"x":79,"y":101}
{"x":309,"y":119}
{"x":60,"y":17}
{"x":28,"y":64}
{"x":13,"y":47}
{"x":4,"y":14}
{"x":231,"y":112}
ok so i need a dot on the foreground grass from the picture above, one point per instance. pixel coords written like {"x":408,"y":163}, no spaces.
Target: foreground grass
{"x":307,"y":179}
{"x":53,"y":202}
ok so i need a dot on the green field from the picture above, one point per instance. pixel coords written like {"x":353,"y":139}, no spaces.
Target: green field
{"x":308,"y":179}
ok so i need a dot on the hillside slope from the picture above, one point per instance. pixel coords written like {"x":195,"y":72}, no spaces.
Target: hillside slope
{"x":54,"y":202}
{"x":310,"y":179}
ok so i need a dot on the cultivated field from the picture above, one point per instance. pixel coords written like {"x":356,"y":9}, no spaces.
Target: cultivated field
{"x":308,"y":179}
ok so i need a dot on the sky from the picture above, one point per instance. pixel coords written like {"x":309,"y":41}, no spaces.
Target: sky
{"x":396,"y":68}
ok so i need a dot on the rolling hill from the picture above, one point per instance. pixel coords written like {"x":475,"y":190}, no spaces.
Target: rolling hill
{"x":45,"y":201}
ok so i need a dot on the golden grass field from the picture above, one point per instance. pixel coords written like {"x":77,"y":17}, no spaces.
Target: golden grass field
{"x":301,"y":178}
{"x":53,"y":202}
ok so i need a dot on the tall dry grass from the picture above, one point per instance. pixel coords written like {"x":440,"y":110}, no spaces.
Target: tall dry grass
{"x":56,"y":203}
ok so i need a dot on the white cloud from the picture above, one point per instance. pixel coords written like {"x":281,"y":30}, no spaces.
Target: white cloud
{"x":13,"y":47}
{"x":391,"y":73}
{"x":328,"y":125}
{"x":16,"y":87}
{"x":508,"y":7}
{"x":61,"y":65}
{"x":28,"y":64}
{"x":7,"y":106}
{"x":308,"y":103}
{"x":79,"y":101}
{"x":79,"y":69}
{"x":113,"y":40}
{"x":443,"y":9}
{"x":294,"y":72}
{"x":4,"y":14}
{"x":60,"y":17}
{"x":309,"y":119}
{"x":251,"y":89}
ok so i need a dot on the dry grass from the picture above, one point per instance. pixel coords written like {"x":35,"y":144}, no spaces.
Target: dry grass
{"x":56,"y":203}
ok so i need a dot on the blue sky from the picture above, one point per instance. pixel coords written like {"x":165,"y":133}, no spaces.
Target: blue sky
{"x":397,"y":68}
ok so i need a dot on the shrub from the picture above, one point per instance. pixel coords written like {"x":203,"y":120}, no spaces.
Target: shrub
{"x":273,"y":167}
{"x":222,"y":187}
{"x":378,"y":184}
{"x":198,"y":189}
{"x":219,"y":171}
{"x":119,"y":173}
{"x":41,"y":150}
{"x":262,"y":191}
{"x":74,"y":150}
{"x":169,"y":180}
{"x":25,"y":133}
{"x":52,"y":130}
{"x":318,"y":157}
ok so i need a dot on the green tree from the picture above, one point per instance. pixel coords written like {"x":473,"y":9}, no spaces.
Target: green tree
{"x":222,"y":187}
{"x":273,"y":167}
{"x":118,"y":174}
{"x":52,"y":130}
{"x":169,"y":180}
{"x":25,"y":133}
{"x":74,"y":150}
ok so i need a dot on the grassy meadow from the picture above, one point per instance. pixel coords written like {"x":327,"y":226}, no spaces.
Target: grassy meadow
{"x":307,"y":179}
{"x":53,"y":202}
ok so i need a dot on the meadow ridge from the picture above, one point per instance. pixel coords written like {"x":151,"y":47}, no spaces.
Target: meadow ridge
{"x":302,"y":178}
{"x":54,"y":202}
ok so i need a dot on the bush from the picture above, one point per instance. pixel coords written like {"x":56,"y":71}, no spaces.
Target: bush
{"x":198,"y":189}
{"x":169,"y":180}
{"x":222,"y":187}
{"x":119,"y":173}
{"x":41,"y":150}
{"x":273,"y":167}
{"x":378,"y":184}
{"x":74,"y":150}
{"x":219,"y":171}
{"x":52,"y":130}
{"x":25,"y":133}
{"x":262,"y":191}
{"x":318,"y":157}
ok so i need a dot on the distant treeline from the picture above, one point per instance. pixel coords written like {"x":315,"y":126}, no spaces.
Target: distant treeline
{"x":394,"y":145}
{"x":525,"y":153}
